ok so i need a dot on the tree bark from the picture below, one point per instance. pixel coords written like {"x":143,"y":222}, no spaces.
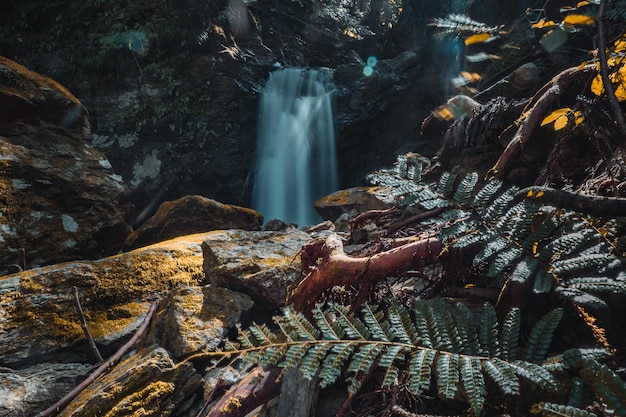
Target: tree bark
{"x":328,"y":265}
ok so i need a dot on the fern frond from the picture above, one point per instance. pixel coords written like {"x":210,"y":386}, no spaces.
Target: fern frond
{"x":445,"y":331}
{"x":536,"y":374}
{"x":378,"y":327}
{"x":606,"y":384}
{"x":596,"y":284}
{"x":420,"y":370}
{"x":331,"y":368}
{"x":525,"y":269}
{"x":509,"y":335}
{"x":401,"y":324}
{"x":580,"y":298}
{"x":580,"y":263}
{"x":488,"y":332}
{"x":543,"y":282}
{"x":473,"y":383}
{"x":312,"y":360}
{"x":467,"y":331}
{"x":504,"y":259}
{"x":362,"y":361}
{"x":387,"y":359}
{"x":352,"y":326}
{"x":541,"y":336}
{"x":327,"y":324}
{"x":447,"y":375}
{"x":556,"y":410}
{"x":491,"y":249}
{"x":576,"y":392}
{"x":420,"y":313}
{"x":486,"y":194}
{"x":499,"y":205}
{"x":465,"y":188}
{"x":303,"y":328}
{"x":502,"y":374}
{"x":445,"y":187}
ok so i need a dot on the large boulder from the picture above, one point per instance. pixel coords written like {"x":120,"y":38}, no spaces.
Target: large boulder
{"x":59,"y":197}
{"x":261,"y":264}
{"x":189,"y":215}
{"x":39,"y":318}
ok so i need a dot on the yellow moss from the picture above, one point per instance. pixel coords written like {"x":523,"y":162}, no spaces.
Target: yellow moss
{"x":145,"y":402}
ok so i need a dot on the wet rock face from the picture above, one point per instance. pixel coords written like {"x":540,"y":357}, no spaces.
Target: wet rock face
{"x":58,"y":195}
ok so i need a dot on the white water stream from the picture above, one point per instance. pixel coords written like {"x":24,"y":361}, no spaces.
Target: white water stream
{"x":296,"y":160}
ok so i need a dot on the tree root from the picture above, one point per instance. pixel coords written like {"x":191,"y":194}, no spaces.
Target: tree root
{"x":55,"y":408}
{"x":535,"y":111}
{"x":327,"y":265}
{"x":257,"y":388}
{"x":587,"y":204}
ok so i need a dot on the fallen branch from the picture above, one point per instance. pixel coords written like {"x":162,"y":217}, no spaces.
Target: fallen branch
{"x":587,"y":204}
{"x":83,"y":324}
{"x":328,"y":265}
{"x":257,"y":388}
{"x":55,"y":408}
{"x":536,"y":110}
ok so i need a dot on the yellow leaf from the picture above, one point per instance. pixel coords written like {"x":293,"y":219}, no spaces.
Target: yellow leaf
{"x":582,"y":3}
{"x":529,"y":193}
{"x":555,"y":115}
{"x":578,"y":118}
{"x":597,"y":87}
{"x":535,"y":246}
{"x":540,"y":194}
{"x":578,"y":19}
{"x":444,"y":113}
{"x":477,"y":38}
{"x":543,"y":23}
{"x":561,"y":122}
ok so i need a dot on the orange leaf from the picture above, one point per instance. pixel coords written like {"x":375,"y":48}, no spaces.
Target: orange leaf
{"x":555,"y":115}
{"x":578,"y":19}
{"x":477,"y":38}
{"x":561,"y":122}
{"x":543,"y":23}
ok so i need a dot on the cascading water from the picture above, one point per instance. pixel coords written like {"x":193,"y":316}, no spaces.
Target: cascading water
{"x":296,"y":161}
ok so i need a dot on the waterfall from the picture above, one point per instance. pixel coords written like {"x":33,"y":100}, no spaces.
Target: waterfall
{"x":296,"y":161}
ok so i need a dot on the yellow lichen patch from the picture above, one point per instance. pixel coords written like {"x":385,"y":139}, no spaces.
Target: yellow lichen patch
{"x":146,"y":402}
{"x":119,"y":318}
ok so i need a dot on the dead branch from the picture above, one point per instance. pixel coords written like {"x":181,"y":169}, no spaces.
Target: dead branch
{"x":83,"y":324}
{"x":55,"y":408}
{"x":536,"y":110}
{"x":333,"y":267}
{"x":257,"y":388}
{"x":587,"y":204}
{"x":604,"y":73}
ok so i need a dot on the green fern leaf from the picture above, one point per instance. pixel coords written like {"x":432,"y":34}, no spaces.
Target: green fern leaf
{"x":473,"y":383}
{"x":352,"y":326}
{"x":575,"y":398}
{"x":525,"y":269}
{"x":303,"y":327}
{"x":502,"y":374}
{"x":496,"y":209}
{"x":486,"y":194}
{"x":540,"y":232}
{"x":420,"y":370}
{"x":245,"y":338}
{"x":401,"y":324}
{"x":326,"y":323}
{"x":491,"y":249}
{"x":331,"y":368}
{"x":262,"y":334}
{"x":272,"y":355}
{"x":541,"y":336}
{"x":509,"y":335}
{"x":580,"y":263}
{"x":596,"y":284}
{"x":504,"y":259}
{"x":606,"y":384}
{"x":447,"y":375}
{"x":569,"y":243}
{"x":465,"y":188}
{"x":312,"y":360}
{"x":420,"y":313}
{"x":469,"y":239}
{"x":467,"y":331}
{"x":444,"y":330}
{"x":445,"y":187}
{"x":387,"y":360}
{"x":378,"y":327}
{"x":362,"y":361}
{"x":293,"y":356}
{"x":580,"y":298}
{"x":536,"y":374}
{"x":488,"y":332}
{"x":556,"y":410}
{"x":572,"y":359}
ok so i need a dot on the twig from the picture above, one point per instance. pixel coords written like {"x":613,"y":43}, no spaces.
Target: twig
{"x":258,"y":387}
{"x":83,"y":324}
{"x":604,"y":71}
{"x":55,"y":408}
{"x":587,"y":204}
